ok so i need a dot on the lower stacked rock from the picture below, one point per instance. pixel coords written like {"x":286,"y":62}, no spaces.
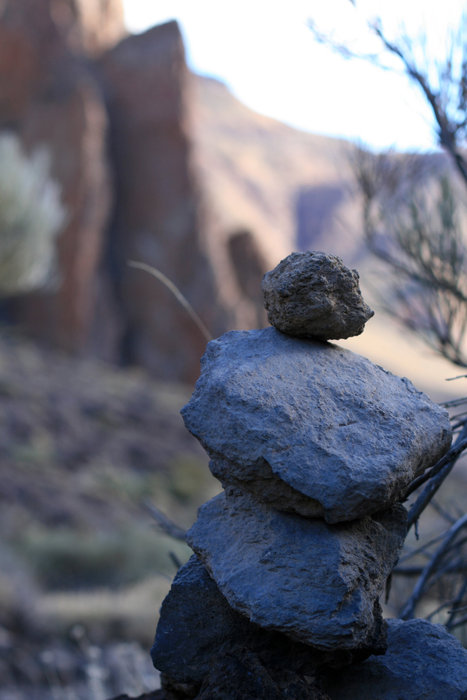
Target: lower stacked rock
{"x":314,"y":446}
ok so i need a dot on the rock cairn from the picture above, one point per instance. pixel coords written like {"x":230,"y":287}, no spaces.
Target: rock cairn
{"x":313,"y":445}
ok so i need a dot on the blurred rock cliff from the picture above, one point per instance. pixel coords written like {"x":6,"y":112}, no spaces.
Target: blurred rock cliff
{"x":160,"y":166}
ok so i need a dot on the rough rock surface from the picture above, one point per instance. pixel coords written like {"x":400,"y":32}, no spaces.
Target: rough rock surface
{"x":266,"y":486}
{"x":330,"y":424}
{"x":318,"y":584}
{"x":239,"y":673}
{"x":422,"y":661}
{"x":195,"y":633}
{"x":314,"y":295}
{"x":190,"y":630}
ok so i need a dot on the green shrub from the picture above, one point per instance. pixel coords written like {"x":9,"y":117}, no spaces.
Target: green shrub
{"x":31,"y":216}
{"x":66,"y":559}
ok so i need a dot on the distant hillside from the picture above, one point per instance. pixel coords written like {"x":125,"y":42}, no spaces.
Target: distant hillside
{"x":291,"y":188}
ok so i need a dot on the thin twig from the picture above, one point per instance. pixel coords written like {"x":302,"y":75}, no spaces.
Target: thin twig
{"x":409,"y":608}
{"x":437,"y":475}
{"x":454,"y":402}
{"x":166,"y":525}
{"x":183,"y":301}
{"x":456,"y":604}
{"x":459,"y":623}
{"x":175,"y":560}
{"x":412,"y":571}
{"x":442,"y":512}
{"x":437,"y":610}
{"x":451,"y":455}
{"x":422,"y":549}
{"x":427,"y":494}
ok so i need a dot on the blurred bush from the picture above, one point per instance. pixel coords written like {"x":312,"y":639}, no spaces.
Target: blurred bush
{"x":31,"y":217}
{"x":66,"y":559}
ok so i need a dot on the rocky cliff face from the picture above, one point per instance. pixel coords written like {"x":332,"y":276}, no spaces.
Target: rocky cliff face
{"x":158,"y":166}
{"x":49,"y":97}
{"x":158,"y":217}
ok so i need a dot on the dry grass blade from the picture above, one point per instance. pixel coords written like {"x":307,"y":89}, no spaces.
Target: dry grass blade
{"x":183,"y":301}
{"x":168,"y":526}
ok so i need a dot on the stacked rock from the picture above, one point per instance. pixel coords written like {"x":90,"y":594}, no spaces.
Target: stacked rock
{"x":313,"y":445}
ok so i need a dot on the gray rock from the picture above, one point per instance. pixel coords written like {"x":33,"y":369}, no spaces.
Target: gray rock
{"x":195,"y":619}
{"x":196,"y":622}
{"x":334,"y":427}
{"x":266,"y":487}
{"x":422,"y":661}
{"x":317,"y":583}
{"x":239,"y":674}
{"x":314,"y":295}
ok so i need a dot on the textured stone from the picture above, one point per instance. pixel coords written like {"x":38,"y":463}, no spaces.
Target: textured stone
{"x":196,"y":621}
{"x":334,"y":427}
{"x":314,"y":295}
{"x":238,"y":673}
{"x":422,"y":661}
{"x":266,"y":486}
{"x":318,"y":584}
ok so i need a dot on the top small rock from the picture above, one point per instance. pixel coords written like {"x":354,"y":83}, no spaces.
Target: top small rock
{"x":314,"y":295}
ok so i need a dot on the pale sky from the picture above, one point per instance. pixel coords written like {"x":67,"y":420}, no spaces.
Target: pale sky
{"x":264,"y":51}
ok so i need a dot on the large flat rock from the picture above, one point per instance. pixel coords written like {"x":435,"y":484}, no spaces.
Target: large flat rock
{"x":317,"y":583}
{"x":422,"y":661}
{"x":328,"y":423}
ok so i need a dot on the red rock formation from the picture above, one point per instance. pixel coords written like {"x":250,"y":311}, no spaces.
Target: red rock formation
{"x":162,"y":215}
{"x":50,"y":98}
{"x":204,"y":188}
{"x":158,"y":216}
{"x":101,"y":23}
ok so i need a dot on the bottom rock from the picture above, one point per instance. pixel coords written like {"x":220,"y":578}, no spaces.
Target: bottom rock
{"x":422,"y":661}
{"x":196,"y":622}
{"x":238,"y":673}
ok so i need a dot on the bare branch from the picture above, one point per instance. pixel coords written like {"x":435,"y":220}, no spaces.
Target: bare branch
{"x":458,"y":623}
{"x":414,"y":571}
{"x":166,"y":525}
{"x":182,"y":300}
{"x":421,"y":242}
{"x":409,"y":608}
{"x":447,"y":100}
{"x":436,"y":479}
{"x":447,"y":131}
{"x":448,"y":459}
{"x":456,"y":605}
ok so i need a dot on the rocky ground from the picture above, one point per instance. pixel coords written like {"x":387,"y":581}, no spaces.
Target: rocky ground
{"x":83,"y":566}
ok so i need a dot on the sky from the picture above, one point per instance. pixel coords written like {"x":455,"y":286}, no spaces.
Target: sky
{"x":266,"y":54}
